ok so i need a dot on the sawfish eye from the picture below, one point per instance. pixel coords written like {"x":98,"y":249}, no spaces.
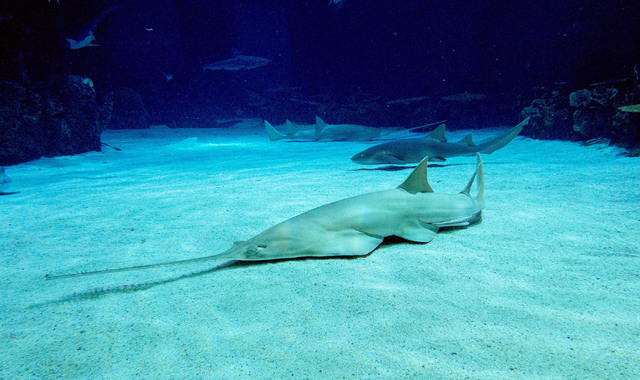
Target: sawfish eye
{"x":262,"y":246}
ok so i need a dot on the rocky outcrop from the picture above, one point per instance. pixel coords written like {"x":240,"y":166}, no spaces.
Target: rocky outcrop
{"x":38,"y":122}
{"x":605,"y":112}
{"x":44,"y":111}
{"x":550,"y":115}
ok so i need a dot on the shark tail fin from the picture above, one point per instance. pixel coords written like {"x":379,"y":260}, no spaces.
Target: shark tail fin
{"x":438,"y":134}
{"x":273,"y":133}
{"x":478,"y":175}
{"x":417,"y":181}
{"x":500,"y":141}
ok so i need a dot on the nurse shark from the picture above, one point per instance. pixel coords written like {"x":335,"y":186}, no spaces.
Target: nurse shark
{"x":327,"y":132}
{"x":355,"y":226}
{"x":237,"y":62}
{"x":434,"y":146}
{"x":85,"y":37}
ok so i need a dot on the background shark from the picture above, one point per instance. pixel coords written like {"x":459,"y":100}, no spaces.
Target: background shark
{"x":347,"y":132}
{"x":237,"y":62}
{"x":327,"y":132}
{"x":434,"y":146}
{"x":294,"y":132}
{"x":85,"y":37}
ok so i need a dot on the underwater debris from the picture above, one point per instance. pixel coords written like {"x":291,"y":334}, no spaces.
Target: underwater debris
{"x":633,"y":108}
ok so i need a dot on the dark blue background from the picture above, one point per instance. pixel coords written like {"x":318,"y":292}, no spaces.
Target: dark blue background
{"x":393,"y":49}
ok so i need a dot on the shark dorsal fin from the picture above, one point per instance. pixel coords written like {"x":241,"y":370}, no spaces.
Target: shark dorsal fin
{"x":438,"y":134}
{"x":320,"y":124}
{"x":291,"y":129}
{"x":468,"y":140}
{"x":272,"y":132}
{"x":417,"y":182}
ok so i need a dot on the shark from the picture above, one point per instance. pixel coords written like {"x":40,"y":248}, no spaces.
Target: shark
{"x":355,"y":226}
{"x":85,"y":37}
{"x":237,"y":62}
{"x":327,"y":132}
{"x":346,"y":132}
{"x":294,"y":132}
{"x":434,"y":145}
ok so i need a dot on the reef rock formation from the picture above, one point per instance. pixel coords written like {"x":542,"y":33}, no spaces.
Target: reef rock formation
{"x":58,"y":121}
{"x":550,"y":115}
{"x":607,"y":111}
{"x":44,"y":111}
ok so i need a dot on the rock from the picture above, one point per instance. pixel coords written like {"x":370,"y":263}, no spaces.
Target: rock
{"x":47,"y":122}
{"x":579,"y":98}
{"x":550,"y":115}
{"x":44,"y":111}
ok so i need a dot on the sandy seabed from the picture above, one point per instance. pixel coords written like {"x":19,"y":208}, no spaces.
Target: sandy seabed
{"x":547,"y":286}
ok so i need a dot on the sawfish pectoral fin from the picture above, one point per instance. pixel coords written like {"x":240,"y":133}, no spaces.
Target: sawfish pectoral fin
{"x":462,"y":221}
{"x":418,"y":231}
{"x":350,"y":243}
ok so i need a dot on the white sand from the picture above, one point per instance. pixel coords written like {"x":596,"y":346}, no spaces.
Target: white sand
{"x":546,"y":286}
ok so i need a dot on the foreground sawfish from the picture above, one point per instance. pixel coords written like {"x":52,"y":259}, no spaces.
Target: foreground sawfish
{"x":434,"y":146}
{"x":356,"y":226}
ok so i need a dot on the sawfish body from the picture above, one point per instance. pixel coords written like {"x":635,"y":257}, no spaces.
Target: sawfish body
{"x":356,"y":226}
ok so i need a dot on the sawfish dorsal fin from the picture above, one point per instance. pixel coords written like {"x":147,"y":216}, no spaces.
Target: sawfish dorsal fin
{"x":468,"y":139}
{"x":438,"y":134}
{"x":417,"y":182}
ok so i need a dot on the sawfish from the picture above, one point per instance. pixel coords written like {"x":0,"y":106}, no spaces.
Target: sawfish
{"x":434,"y":145}
{"x":355,"y":226}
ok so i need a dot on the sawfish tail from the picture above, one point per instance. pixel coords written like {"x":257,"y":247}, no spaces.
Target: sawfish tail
{"x":478,"y":177}
{"x":480,"y":180}
{"x":502,"y":140}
